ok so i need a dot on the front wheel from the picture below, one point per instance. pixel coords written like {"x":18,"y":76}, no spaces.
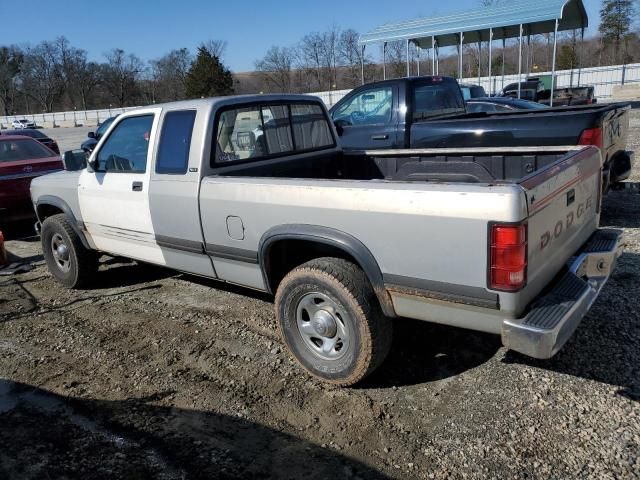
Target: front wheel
{"x":331,"y":321}
{"x":68,"y":260}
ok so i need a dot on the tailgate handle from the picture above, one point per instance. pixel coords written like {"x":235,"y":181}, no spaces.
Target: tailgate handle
{"x":136,"y":186}
{"x":571,"y":196}
{"x":379,"y":137}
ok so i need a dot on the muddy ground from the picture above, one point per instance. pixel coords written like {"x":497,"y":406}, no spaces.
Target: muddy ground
{"x":153,"y":374}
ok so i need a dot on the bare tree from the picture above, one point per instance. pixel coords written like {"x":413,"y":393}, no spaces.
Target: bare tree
{"x":169,"y":73}
{"x":216,"y":48}
{"x":396,"y":59}
{"x":11,"y":59}
{"x":121,"y":74}
{"x":310,"y":58}
{"x":41,"y":77}
{"x":276,"y":68}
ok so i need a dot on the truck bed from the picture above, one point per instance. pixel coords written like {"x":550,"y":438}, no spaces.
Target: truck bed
{"x":460,"y":165}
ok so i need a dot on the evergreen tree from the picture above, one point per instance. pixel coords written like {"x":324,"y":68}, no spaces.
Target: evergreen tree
{"x":208,"y":77}
{"x":615,"y":23}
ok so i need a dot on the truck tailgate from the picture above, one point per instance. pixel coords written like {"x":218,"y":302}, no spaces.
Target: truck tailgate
{"x":563,"y":202}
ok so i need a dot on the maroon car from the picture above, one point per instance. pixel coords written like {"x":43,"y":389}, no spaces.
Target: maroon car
{"x":37,"y":134}
{"x":21,"y":160}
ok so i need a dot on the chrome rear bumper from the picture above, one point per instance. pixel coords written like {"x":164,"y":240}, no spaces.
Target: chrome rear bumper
{"x":554,"y":317}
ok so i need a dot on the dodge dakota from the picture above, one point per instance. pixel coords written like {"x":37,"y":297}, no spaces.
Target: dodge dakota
{"x":428,"y":112}
{"x":255,"y":191}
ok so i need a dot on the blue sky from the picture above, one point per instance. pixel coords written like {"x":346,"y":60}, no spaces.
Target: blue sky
{"x":151,"y":28}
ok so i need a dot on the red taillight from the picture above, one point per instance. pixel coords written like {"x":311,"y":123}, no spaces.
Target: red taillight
{"x":508,"y":257}
{"x":591,"y":136}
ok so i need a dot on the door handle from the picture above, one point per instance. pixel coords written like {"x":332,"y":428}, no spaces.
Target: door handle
{"x":379,"y":137}
{"x":136,"y":186}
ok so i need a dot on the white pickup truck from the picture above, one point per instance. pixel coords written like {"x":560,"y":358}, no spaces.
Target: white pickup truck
{"x":255,"y":191}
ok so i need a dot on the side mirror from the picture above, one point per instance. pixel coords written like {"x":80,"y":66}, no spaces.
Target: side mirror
{"x":91,"y":135}
{"x":74,"y":160}
{"x":92,"y":163}
{"x":340,"y":124}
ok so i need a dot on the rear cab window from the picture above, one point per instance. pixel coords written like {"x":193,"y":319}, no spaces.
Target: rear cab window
{"x":263,"y":131}
{"x":436,"y":97}
{"x":175,"y":142}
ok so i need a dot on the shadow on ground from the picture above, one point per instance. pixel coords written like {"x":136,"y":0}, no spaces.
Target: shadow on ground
{"x":425,"y":352}
{"x":606,"y":345}
{"x":45,"y":435}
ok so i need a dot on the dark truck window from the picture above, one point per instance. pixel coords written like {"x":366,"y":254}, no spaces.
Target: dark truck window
{"x":265,"y":131}
{"x":125,"y":150}
{"x":175,"y":142}
{"x":437,"y":99}
{"x":372,"y":106}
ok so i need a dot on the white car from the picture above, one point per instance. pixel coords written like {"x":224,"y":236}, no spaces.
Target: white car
{"x":24,"y":123}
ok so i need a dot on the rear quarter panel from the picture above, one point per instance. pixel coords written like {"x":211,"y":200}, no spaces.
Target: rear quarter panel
{"x":433,"y":232}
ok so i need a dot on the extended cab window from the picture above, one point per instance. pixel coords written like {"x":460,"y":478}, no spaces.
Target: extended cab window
{"x":125,"y":150}
{"x":264,"y":131}
{"x":175,"y":142}
{"x":369,"y":107}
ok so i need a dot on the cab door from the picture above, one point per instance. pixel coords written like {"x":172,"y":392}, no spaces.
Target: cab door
{"x":367,"y":118}
{"x":114,"y":198}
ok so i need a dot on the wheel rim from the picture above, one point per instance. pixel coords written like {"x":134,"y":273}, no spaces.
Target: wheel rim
{"x":323,"y":326}
{"x":60,"y":251}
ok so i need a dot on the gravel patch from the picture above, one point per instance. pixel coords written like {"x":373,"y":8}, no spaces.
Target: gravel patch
{"x":154,"y":374}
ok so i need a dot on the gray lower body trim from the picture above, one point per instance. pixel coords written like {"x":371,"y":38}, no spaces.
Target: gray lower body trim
{"x":180,"y":244}
{"x":447,"y":292}
{"x":232,"y":253}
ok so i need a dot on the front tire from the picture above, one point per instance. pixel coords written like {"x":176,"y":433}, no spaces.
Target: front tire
{"x":68,"y":260}
{"x":331,"y":321}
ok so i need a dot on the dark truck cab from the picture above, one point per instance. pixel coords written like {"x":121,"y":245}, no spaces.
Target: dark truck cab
{"x":429,"y":112}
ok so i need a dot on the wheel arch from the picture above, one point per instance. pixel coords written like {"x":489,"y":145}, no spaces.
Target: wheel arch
{"x":48,"y":205}
{"x":306,"y":242}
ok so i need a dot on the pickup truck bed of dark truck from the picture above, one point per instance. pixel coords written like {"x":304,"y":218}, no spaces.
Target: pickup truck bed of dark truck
{"x":429,"y":112}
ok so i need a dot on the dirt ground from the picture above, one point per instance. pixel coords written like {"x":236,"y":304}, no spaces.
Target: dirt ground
{"x":153,"y":374}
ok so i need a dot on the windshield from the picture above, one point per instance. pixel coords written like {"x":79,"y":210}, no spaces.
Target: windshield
{"x":104,"y":126}
{"x":15,"y":150}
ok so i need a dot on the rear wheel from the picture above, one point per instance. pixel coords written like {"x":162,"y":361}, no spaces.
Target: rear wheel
{"x":331,"y":321}
{"x":68,"y":260}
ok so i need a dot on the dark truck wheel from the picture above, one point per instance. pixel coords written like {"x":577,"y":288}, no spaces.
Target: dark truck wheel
{"x":68,"y":260}
{"x":331,"y":321}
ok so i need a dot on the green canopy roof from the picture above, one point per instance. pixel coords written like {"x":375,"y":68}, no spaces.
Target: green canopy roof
{"x":536,"y":16}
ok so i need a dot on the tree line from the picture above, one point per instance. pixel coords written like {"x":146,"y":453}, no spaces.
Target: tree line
{"x":55,"y":75}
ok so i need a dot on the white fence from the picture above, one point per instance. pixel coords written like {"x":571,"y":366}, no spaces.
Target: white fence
{"x":603,"y":78}
{"x":66,"y":119}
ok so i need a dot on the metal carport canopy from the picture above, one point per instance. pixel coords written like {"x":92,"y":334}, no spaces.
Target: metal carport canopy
{"x":504,"y":20}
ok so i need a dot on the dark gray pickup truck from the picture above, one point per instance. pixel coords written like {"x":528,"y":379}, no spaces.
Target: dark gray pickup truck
{"x":429,"y":112}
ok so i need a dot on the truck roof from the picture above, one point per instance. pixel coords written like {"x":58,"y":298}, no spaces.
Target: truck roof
{"x":231,"y":100}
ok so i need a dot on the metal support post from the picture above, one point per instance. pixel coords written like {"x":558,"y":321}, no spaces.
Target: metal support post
{"x":362,"y":64}
{"x":460,"y":57}
{"x":384,"y":61}
{"x":489,"y":71}
{"x":520,"y":61}
{"x":433,"y":55}
{"x":553,"y":62}
{"x":408,"y":66}
{"x":504,"y":46}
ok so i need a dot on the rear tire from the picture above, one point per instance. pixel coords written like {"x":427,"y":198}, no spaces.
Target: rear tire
{"x":68,"y":260}
{"x":331,"y":321}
